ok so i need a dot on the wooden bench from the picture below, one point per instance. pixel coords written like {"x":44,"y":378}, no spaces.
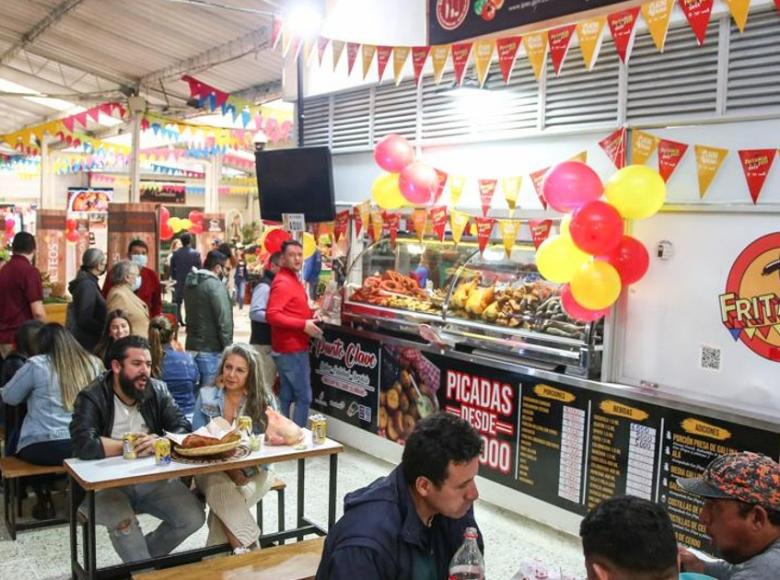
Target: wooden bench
{"x":296,"y":561}
{"x":13,"y":469}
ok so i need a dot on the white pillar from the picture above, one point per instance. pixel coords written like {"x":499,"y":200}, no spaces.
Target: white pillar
{"x":134,"y":195}
{"x":213,"y":179}
{"x":47,"y":177}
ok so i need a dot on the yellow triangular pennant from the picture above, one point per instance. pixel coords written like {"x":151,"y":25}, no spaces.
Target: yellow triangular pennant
{"x":590,"y":35}
{"x":739,"y":12}
{"x":439,"y":55}
{"x":400,"y":56}
{"x":483,"y":54}
{"x":536,"y":49}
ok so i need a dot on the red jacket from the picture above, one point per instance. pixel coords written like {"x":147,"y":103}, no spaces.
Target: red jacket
{"x":287,"y":313}
{"x":150,"y":291}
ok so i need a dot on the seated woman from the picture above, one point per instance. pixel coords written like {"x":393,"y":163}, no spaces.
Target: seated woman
{"x":172,"y":365}
{"x":49,"y":383}
{"x":230,"y":495}
{"x":117,"y":326}
{"x":125,"y":280}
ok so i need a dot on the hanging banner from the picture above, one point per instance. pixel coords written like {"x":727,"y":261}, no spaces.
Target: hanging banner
{"x":322,"y":44}
{"x":458,"y":223}
{"x":341,"y":225}
{"x":483,"y":54}
{"x":656,"y":14}
{"x":338,"y":49}
{"x":392,"y":220}
{"x":739,"y":12}
{"x":708,"y":162}
{"x":590,"y":35}
{"x":419,"y":221}
{"x":460,"y":60}
{"x":487,"y":188}
{"x":560,"y":39}
{"x":377,"y":223}
{"x":698,"y":13}
{"x":439,"y":219}
{"x":614,"y":146}
{"x":536,"y":49}
{"x":400,"y":56}
{"x":51,"y":245}
{"x":509,"y":230}
{"x":484,"y":231}
{"x":419,"y":56}
{"x":507,"y":54}
{"x":642,"y":146}
{"x":669,"y":155}
{"x":439,"y":55}
{"x":622,"y":25}
{"x":540,"y":231}
{"x":537,"y":178}
{"x":511,"y":188}
{"x":368,"y":52}
{"x":441,"y":183}
{"x":352,"y":52}
{"x":457,"y":183}
{"x":756,"y":164}
{"x":361,"y":213}
{"x":382,"y":58}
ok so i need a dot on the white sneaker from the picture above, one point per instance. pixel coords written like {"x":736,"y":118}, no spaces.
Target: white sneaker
{"x":241,"y":550}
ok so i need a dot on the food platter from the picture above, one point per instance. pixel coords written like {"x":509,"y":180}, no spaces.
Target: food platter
{"x":208,"y":449}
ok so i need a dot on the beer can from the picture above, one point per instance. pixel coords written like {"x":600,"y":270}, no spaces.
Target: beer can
{"x":162,"y":451}
{"x":319,"y":429}
{"x":245,"y":425}
{"x":128,"y":446}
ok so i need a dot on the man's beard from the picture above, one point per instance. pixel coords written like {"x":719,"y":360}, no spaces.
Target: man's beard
{"x":128,"y":388}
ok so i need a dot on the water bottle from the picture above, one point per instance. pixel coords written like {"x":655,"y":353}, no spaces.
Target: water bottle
{"x":467,"y":563}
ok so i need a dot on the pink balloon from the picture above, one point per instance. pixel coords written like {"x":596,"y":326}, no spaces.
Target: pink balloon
{"x":72,"y":236}
{"x":570,"y":185}
{"x":630,"y":259}
{"x":418,"y":182}
{"x":596,"y":228}
{"x":393,"y":153}
{"x":577,"y":312}
{"x":10,"y":224}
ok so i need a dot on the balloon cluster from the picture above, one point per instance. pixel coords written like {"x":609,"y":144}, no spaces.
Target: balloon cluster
{"x":71,"y":230}
{"x":272,"y":239}
{"x":173,"y":225}
{"x":591,"y":255}
{"x":407,"y":183}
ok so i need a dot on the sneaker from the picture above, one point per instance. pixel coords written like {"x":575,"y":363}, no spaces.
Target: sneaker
{"x":241,"y":550}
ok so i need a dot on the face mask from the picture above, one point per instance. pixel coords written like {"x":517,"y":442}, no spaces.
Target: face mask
{"x":140,"y":259}
{"x":137,"y":283}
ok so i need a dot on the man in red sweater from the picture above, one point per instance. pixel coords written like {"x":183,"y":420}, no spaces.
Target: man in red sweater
{"x":292,"y":325}
{"x":151,"y":289}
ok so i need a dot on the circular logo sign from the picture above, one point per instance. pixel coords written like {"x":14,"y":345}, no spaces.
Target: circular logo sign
{"x":750,"y":306}
{"x":451,"y":13}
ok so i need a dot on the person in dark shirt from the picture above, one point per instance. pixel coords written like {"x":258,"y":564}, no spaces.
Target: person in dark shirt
{"x":87,"y":310}
{"x":183,"y":261}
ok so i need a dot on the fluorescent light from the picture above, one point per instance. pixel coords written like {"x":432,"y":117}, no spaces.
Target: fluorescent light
{"x":303,"y":20}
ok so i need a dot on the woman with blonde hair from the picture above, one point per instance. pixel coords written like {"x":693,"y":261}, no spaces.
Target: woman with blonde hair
{"x":230,"y":495}
{"x":172,"y":365}
{"x":48,"y":383}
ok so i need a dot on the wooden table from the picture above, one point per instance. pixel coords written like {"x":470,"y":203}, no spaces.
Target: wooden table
{"x":113,"y":472}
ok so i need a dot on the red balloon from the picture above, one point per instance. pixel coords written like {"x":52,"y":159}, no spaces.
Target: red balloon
{"x":570,"y":185}
{"x":165,"y":214}
{"x":166,"y":232}
{"x":273,"y":240}
{"x":577,"y":312}
{"x":70,"y":224}
{"x":596,"y":228}
{"x":197,"y":228}
{"x":72,"y":236}
{"x":196,"y":217}
{"x":393,"y":153}
{"x":630,"y":259}
{"x":418,"y":182}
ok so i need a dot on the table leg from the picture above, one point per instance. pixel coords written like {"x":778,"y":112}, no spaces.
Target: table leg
{"x":301,"y":493}
{"x":334,"y":462}
{"x":91,"y":566}
{"x":72,"y":513}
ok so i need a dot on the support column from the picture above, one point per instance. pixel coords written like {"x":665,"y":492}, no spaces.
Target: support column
{"x":213,"y":179}
{"x":46,"y":200}
{"x":137,"y":108}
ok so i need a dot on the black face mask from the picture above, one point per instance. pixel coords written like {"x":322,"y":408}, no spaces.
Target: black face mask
{"x":128,"y":388}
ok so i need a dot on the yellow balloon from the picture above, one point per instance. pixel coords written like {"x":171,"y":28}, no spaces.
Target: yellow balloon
{"x":565,"y":223}
{"x":636,"y":191}
{"x":186,"y":224}
{"x":386,"y":193}
{"x":596,"y":285}
{"x":309,"y":245}
{"x":558,"y":259}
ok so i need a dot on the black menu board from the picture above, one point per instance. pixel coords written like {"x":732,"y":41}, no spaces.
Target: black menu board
{"x":551,"y":450}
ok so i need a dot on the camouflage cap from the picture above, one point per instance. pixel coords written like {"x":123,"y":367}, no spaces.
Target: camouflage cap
{"x":749,"y":477}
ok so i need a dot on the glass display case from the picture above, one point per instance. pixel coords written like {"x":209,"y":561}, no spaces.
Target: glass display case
{"x":465,"y":299}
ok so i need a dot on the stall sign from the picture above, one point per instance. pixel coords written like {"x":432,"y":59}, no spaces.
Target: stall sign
{"x":88,"y":201}
{"x":750,"y":305}
{"x":453,"y":20}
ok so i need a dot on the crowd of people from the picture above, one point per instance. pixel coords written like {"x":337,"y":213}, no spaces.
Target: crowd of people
{"x":117,"y":367}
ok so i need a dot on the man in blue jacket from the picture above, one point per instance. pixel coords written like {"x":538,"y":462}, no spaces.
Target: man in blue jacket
{"x":409,"y":524}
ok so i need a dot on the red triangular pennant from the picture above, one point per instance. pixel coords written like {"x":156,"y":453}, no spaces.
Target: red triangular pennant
{"x":698,"y":13}
{"x":352,"y":51}
{"x":68,"y":122}
{"x":419,"y":56}
{"x":439,"y":219}
{"x":621,"y":25}
{"x":669,"y":155}
{"x":322,"y":44}
{"x":484,"y":231}
{"x":507,"y":53}
{"x":460,"y":59}
{"x":94,"y":113}
{"x":756,"y":164}
{"x":559,"y":39}
{"x":81,"y":118}
{"x":614,"y":145}
{"x":537,"y":177}
{"x":540,"y":231}
{"x":383,"y":54}
{"x":441,"y":178}
{"x":276,"y":32}
{"x":487,"y":188}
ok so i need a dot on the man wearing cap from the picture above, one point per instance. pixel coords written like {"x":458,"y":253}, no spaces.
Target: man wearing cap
{"x":741,"y":514}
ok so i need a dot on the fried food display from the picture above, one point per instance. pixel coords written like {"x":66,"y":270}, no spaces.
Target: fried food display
{"x":394,"y":290}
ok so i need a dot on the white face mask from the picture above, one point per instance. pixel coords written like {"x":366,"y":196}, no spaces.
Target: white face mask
{"x":140,"y":259}
{"x":137,"y":283}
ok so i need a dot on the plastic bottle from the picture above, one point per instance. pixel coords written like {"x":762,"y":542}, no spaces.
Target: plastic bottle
{"x":467,"y":563}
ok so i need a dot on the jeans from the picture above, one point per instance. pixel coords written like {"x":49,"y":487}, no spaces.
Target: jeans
{"x":208,"y":366}
{"x":240,"y":284}
{"x":181,"y":513}
{"x":294,"y":384}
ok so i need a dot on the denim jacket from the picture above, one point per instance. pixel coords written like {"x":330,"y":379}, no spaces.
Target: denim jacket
{"x":37,"y":385}
{"x":181,"y":375}
{"x":211,"y":403}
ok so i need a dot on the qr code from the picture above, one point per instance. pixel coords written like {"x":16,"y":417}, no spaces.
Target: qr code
{"x":710,"y":358}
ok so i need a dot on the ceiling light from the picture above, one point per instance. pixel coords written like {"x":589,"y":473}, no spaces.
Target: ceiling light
{"x":303,"y":20}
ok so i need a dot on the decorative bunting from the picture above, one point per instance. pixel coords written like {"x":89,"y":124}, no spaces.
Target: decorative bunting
{"x":308,"y":50}
{"x":439,"y":219}
{"x":560,"y":39}
{"x":642,"y":146}
{"x":337,"y":47}
{"x":382,"y":58}
{"x":536,"y":49}
{"x":507,"y":54}
{"x":582,"y":157}
{"x":657,"y":14}
{"x":419,"y":56}
{"x":377,"y":223}
{"x":483,"y":54}
{"x":487,"y":188}
{"x":739,"y":12}
{"x":392,"y":221}
{"x":509,"y":230}
{"x":511,"y":188}
{"x":537,"y":178}
{"x":484,"y":231}
{"x":457,"y":183}
{"x":460,"y":60}
{"x":439,"y":55}
{"x":590,"y":35}
{"x":441,"y":182}
{"x":622,"y":25}
{"x":669,"y":155}
{"x":614,"y":145}
{"x":458,"y":223}
{"x":276,"y":32}
{"x":419,"y":221}
{"x":352,"y":52}
{"x":756,"y":164}
{"x":368,"y":52}
{"x":400,"y":56}
{"x":698,"y":13}
{"x":361,"y":213}
{"x":322,"y":44}
{"x":341,"y":225}
{"x":708,"y":162}
{"x":540,"y":231}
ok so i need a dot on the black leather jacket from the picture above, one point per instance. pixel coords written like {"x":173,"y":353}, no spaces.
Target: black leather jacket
{"x":93,"y":415}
